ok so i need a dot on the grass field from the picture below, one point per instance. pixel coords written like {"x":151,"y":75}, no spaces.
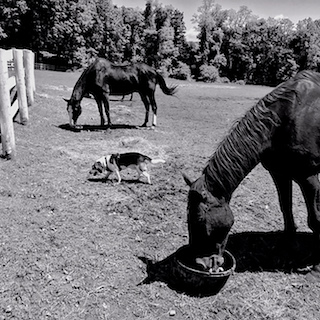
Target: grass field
{"x":76,"y":249}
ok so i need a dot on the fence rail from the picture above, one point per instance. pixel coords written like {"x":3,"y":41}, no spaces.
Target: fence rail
{"x":16,"y":93}
{"x":51,"y":67}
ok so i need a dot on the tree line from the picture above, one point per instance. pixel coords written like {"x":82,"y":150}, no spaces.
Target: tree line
{"x":233,"y":45}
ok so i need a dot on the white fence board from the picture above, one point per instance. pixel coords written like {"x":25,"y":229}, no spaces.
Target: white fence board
{"x":16,"y":93}
{"x":11,"y":82}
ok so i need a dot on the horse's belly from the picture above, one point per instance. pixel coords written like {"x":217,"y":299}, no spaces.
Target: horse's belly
{"x":295,"y":163}
{"x":125,"y":86}
{"x":121,"y":91}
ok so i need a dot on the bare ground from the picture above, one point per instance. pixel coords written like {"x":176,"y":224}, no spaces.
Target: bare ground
{"x":75,"y":249}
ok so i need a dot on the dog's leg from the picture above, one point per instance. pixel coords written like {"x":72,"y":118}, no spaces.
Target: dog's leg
{"x":146,"y":174}
{"x":107,"y":176}
{"x":118,"y":175}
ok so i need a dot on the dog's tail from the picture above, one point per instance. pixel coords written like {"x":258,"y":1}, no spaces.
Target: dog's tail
{"x":155,"y":161}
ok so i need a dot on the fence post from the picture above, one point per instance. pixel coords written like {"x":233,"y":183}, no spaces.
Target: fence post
{"x":6,"y":123}
{"x":21,"y":87}
{"x":28,"y":59}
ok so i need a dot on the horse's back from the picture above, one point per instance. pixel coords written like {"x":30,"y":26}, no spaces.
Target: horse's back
{"x":126,"y":78}
{"x":302,"y":112}
{"x":295,"y":146}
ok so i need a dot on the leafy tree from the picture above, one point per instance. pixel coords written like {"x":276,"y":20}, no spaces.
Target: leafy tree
{"x":73,"y":22}
{"x":210,"y":19}
{"x":164,"y":36}
{"x":134,"y":23}
{"x":209,"y":73}
{"x":113,"y":35}
{"x":257,"y":50}
{"x":151,"y":44}
{"x":179,"y":29}
{"x":306,"y":44}
{"x":233,"y":44}
{"x":11,"y":13}
{"x":167,"y":51}
{"x":238,"y":57}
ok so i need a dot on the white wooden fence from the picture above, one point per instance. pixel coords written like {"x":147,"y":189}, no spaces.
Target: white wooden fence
{"x":23,"y":82}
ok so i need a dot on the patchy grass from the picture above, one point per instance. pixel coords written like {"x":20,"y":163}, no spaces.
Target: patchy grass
{"x":74,"y":249}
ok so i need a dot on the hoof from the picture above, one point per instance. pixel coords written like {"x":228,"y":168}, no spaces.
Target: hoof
{"x":75,"y":127}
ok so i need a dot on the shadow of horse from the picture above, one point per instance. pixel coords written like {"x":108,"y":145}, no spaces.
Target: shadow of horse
{"x":272,"y":251}
{"x":88,"y":127}
{"x":115,"y":181}
{"x":253,"y":251}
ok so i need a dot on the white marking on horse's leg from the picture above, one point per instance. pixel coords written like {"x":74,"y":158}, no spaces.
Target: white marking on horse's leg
{"x":154,"y":123}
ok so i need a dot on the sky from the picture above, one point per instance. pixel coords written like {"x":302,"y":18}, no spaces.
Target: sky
{"x":295,"y":10}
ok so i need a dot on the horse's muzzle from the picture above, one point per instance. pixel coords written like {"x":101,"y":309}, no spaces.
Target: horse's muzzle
{"x":211,"y":263}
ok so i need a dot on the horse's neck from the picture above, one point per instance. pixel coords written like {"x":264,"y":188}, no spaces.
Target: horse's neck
{"x":240,"y":151}
{"x":223,"y":178}
{"x":79,"y":89}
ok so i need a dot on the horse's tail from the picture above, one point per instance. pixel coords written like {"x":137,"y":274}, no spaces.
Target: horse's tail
{"x":166,"y":90}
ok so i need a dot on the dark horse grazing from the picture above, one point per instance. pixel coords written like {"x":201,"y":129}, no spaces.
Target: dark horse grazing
{"x":282,"y":131}
{"x":102,"y":78}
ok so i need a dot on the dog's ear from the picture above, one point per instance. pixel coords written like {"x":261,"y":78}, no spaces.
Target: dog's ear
{"x":66,"y":100}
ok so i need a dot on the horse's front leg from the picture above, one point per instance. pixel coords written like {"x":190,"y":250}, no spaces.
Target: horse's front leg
{"x":284,"y":188}
{"x":107,"y":107}
{"x":310,"y":188}
{"x":99,"y":103}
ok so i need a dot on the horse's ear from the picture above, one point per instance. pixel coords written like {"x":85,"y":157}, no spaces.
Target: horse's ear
{"x":66,"y":100}
{"x":187,"y":180}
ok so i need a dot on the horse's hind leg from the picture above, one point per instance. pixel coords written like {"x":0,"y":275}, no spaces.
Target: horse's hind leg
{"x":284,"y":188}
{"x":154,"y":108}
{"x":311,"y":191}
{"x":147,"y":106}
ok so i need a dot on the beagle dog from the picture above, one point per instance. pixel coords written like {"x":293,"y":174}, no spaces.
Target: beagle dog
{"x":114,"y":163}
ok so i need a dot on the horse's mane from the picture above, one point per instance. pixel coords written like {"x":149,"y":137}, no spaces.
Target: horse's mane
{"x":240,"y":151}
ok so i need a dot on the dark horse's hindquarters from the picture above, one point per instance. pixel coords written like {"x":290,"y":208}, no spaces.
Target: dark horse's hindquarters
{"x":102,"y":78}
{"x":282,"y":132}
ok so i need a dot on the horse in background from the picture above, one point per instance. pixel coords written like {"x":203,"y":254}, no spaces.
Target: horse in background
{"x":282,"y":131}
{"x":103,"y":78}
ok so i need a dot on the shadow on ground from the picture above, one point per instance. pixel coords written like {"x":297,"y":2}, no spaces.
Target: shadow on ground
{"x":271,"y":251}
{"x":87,"y":127}
{"x":115,"y":181}
{"x":253,"y":251}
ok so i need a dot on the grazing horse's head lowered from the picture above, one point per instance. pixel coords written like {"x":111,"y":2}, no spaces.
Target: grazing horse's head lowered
{"x":209,"y":222}
{"x":282,"y":133}
{"x":103,"y":78}
{"x":74,"y":110}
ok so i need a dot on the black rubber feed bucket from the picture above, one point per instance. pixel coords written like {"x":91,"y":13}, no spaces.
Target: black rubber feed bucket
{"x":198,"y":282}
